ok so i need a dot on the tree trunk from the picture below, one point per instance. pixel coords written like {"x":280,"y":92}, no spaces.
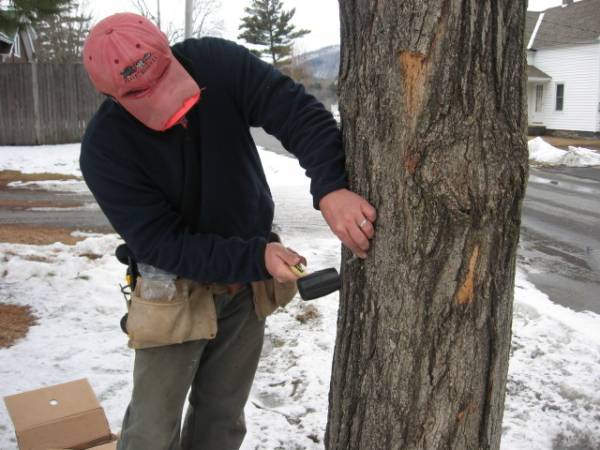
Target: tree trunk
{"x":432,"y":97}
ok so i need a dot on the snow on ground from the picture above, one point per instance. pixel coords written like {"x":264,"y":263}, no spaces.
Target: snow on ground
{"x":84,"y":207}
{"x":543,"y":153}
{"x":72,"y":186}
{"x":62,"y":159}
{"x":553,"y":399}
{"x":553,"y":396}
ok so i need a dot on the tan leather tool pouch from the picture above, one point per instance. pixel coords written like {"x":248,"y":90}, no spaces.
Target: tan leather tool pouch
{"x":161,"y":314}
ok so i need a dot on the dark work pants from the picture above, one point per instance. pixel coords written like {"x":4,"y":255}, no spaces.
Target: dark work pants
{"x":220,"y":373}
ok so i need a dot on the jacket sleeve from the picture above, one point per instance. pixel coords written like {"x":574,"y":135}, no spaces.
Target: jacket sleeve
{"x":271,"y":100}
{"x":155,"y":232}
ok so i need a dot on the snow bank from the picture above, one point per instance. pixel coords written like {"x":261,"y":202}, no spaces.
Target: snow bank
{"x":63,"y":159}
{"x":553,"y":398}
{"x":84,"y":207}
{"x":72,"y":186}
{"x":581,"y":157}
{"x":553,"y":389}
{"x":542,"y":152}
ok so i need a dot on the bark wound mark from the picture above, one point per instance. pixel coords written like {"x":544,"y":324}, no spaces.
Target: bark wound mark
{"x":469,"y":409}
{"x":465,"y":294}
{"x":411,"y":161}
{"x":414,"y":67}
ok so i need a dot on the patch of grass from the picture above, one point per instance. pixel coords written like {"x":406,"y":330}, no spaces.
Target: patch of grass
{"x":277,"y":342}
{"x":21,"y":204}
{"x":37,"y":258}
{"x":91,"y":256}
{"x":15,"y":321}
{"x":8,"y":176}
{"x":309,"y":312}
{"x":36,"y":235}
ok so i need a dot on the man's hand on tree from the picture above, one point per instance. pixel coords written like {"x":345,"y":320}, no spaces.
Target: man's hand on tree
{"x":351,"y":218}
{"x":278,"y":260}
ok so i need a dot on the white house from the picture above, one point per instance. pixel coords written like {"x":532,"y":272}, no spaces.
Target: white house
{"x":563,"y":74}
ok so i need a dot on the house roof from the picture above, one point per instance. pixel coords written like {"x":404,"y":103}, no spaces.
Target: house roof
{"x":6,"y":44}
{"x":530,"y":21}
{"x":577,"y":23}
{"x":5,"y":39}
{"x":533,"y":73}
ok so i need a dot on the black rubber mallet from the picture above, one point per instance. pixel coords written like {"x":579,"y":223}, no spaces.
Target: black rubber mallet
{"x":317,"y":284}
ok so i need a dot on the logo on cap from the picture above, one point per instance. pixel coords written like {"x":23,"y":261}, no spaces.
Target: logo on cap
{"x":139,"y":67}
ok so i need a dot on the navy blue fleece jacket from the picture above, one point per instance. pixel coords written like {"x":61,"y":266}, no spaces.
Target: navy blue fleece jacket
{"x":137,"y":174}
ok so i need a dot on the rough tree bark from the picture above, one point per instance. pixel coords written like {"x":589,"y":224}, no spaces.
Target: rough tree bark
{"x":432,"y":96}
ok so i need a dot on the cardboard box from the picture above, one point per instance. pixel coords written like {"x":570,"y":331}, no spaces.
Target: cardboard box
{"x":64,"y":416}
{"x":110,"y":446}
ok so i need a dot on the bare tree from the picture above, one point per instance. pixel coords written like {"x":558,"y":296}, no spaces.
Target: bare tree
{"x":205,"y":19}
{"x":173,"y":32}
{"x":297,"y":67}
{"x":432,"y":98}
{"x":147,"y":12}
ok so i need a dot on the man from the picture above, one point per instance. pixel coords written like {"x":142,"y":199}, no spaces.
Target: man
{"x":192,"y":106}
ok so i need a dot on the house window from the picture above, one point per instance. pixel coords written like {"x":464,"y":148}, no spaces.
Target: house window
{"x":539,"y":95}
{"x":560,"y":96}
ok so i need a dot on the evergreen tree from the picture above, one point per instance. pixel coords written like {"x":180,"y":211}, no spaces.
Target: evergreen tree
{"x":61,"y":35}
{"x":14,"y":13}
{"x":267,"y":25}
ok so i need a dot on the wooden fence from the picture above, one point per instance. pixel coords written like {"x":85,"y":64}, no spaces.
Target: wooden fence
{"x":45,"y":103}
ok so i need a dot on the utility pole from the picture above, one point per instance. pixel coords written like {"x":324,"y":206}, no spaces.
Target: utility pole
{"x":189,"y":16}
{"x":158,"y":14}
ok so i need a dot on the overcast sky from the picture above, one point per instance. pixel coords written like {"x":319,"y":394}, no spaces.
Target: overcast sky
{"x":319,"y":16}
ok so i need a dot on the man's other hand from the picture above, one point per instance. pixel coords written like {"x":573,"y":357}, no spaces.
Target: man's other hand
{"x":278,"y":260}
{"x":351,"y":218}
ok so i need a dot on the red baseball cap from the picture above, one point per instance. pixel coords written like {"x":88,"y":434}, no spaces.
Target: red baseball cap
{"x":127,"y":57}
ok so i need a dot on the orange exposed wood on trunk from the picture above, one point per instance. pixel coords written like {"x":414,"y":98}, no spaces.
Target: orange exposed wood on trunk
{"x":469,"y":409}
{"x":465,"y":294}
{"x":414,"y":70}
{"x":414,"y":67}
{"x":411,"y":161}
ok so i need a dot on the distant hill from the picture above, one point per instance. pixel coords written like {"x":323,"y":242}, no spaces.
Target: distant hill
{"x":323,"y":63}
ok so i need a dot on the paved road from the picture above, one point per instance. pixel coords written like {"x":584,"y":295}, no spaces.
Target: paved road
{"x":560,"y":235}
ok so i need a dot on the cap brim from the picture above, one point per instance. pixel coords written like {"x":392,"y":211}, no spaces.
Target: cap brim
{"x":166,"y":99}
